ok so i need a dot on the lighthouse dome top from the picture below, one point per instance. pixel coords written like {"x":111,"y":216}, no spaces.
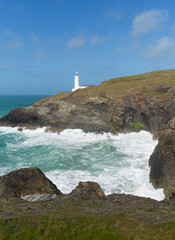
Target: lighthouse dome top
{"x":76,"y":73}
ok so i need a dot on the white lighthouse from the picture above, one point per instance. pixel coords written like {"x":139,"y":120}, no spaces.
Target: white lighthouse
{"x":76,"y":83}
{"x":76,"y":86}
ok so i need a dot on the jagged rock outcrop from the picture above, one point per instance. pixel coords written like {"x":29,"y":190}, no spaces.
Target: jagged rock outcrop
{"x":88,"y":190}
{"x":59,"y":114}
{"x":148,"y":108}
{"x":25,"y":181}
{"x":162,"y":162}
{"x":126,"y":104}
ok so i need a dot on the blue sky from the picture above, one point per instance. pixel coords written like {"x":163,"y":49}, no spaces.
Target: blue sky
{"x":44,"y":42}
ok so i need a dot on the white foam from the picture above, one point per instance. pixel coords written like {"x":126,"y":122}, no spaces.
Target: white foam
{"x":67,"y":137}
{"x":118,"y":163}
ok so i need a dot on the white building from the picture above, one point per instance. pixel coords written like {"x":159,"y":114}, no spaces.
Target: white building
{"x":77,"y":85}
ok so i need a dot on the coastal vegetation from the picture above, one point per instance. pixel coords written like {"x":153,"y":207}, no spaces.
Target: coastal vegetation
{"x":139,"y":126}
{"x":85,"y":213}
{"x":86,"y":219}
{"x":141,"y":102}
{"x":118,"y":86}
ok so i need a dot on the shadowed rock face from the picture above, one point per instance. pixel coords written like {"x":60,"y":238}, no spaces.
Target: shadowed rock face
{"x":32,"y":185}
{"x":150,"y":107}
{"x":25,"y":181}
{"x":162,"y":162}
{"x":102,"y":113}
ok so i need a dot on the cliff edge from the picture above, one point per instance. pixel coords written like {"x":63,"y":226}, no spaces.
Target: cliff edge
{"x":145,"y":101}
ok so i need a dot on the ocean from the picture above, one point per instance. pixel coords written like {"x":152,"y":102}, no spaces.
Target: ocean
{"x":118,"y":163}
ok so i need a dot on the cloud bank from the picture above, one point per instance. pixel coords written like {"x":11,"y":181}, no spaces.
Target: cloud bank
{"x":164,"y":47}
{"x":148,"y":21}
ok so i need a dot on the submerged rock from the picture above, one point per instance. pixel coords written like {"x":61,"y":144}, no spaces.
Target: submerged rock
{"x":87,"y":190}
{"x":25,"y":181}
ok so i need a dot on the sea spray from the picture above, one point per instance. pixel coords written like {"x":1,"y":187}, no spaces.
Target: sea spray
{"x":118,"y":163}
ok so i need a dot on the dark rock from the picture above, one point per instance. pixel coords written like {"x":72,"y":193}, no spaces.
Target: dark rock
{"x":87,"y":190}
{"x":149,"y":107}
{"x":101,"y":113}
{"x":25,"y":181}
{"x":20,"y":115}
{"x":162,"y":162}
{"x":20,"y":129}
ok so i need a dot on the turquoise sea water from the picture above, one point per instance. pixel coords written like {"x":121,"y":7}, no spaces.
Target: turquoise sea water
{"x":8,"y":103}
{"x":118,"y":163}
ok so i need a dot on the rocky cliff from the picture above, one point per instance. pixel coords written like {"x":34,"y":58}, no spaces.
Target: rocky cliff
{"x":125,"y":104}
{"x":148,"y":107}
{"x":162,"y":162}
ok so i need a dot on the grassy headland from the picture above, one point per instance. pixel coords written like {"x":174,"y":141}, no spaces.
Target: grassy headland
{"x":123,"y":217}
{"x":118,"y":86}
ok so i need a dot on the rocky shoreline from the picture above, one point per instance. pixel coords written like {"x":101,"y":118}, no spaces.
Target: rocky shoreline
{"x":131,"y":111}
{"x":31,"y":185}
{"x":31,"y":206}
{"x":85,"y":213}
{"x":118,"y":105}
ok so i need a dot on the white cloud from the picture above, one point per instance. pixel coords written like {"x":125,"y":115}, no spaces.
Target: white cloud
{"x":115,"y":15}
{"x":96,"y":39}
{"x":148,"y":21}
{"x":164,"y":46}
{"x":14,"y":44}
{"x":77,"y":42}
{"x":33,"y":37}
{"x":39,"y":55}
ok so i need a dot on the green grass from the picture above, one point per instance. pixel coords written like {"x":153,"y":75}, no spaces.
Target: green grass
{"x":69,"y":219}
{"x":86,"y":226}
{"x":61,"y":95}
{"x":118,"y":86}
{"x":45,"y":227}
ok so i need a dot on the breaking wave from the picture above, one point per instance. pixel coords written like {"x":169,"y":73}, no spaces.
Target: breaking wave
{"x":118,"y":163}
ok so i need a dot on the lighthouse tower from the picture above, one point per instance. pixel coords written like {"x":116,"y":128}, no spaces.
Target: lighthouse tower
{"x":76,"y":81}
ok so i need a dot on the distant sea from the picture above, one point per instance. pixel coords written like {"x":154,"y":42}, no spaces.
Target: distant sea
{"x":118,"y":163}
